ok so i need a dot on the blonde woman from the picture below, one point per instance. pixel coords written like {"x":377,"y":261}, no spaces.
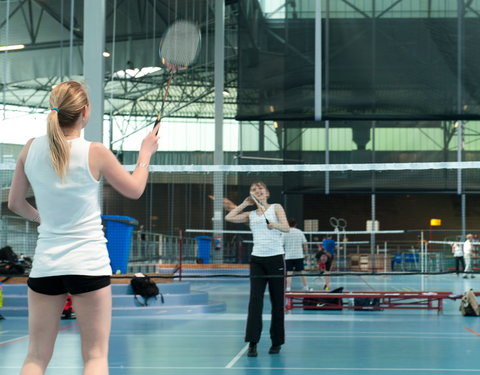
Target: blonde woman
{"x":267,"y":264}
{"x":64,"y":171}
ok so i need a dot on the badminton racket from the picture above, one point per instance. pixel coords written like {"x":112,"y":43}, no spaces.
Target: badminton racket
{"x":178,"y":50}
{"x":260,"y":205}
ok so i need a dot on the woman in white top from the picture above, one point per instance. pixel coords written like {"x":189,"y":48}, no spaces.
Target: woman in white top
{"x":267,"y":265}
{"x":296,"y":249}
{"x":71,"y":256}
{"x":457,"y":252}
{"x":467,"y":256}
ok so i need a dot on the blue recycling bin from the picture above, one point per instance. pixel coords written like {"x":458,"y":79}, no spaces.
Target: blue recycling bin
{"x":204,"y":244}
{"x":119,"y":233}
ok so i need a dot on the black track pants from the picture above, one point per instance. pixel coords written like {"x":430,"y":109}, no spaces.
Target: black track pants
{"x":260,"y":269}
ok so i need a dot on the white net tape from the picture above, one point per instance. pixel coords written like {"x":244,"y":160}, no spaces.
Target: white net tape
{"x":282,"y":168}
{"x":313,"y":167}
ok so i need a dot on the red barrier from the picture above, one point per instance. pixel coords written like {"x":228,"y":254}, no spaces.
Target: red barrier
{"x":385,"y":300}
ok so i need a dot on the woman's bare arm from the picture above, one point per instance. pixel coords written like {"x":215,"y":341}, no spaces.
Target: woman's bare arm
{"x":131,"y":185}
{"x":17,"y":197}
{"x":282,"y":218}
{"x":236,"y":215}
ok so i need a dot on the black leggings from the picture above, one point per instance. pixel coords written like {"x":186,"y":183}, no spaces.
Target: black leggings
{"x":260,"y":269}
{"x":459,"y":261}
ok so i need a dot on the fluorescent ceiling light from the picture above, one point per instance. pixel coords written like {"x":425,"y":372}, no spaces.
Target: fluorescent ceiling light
{"x":136,"y":73}
{"x":13,"y":47}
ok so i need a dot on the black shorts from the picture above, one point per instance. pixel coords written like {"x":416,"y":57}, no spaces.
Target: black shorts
{"x":294,"y":264}
{"x":73,"y":284}
{"x":328,"y":264}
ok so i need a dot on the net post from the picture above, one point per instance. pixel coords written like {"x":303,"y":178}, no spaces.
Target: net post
{"x":218,"y":155}
{"x":373,"y":210}
{"x":422,"y":252}
{"x":180,"y":251}
{"x":327,"y":156}
{"x":318,"y":60}
{"x":94,"y":64}
{"x":385,"y":251}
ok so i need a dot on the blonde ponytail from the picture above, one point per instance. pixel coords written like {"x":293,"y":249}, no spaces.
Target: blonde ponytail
{"x":67,"y":101}
{"x":59,"y":147}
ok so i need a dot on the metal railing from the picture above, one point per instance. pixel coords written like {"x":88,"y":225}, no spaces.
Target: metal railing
{"x":162,"y":248}
{"x":18,"y":233}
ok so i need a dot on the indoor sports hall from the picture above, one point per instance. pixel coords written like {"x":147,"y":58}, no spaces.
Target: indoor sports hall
{"x":313,"y":205}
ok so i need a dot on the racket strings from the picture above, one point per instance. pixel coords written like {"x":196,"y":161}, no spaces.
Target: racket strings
{"x":180,"y":45}
{"x":178,"y":49}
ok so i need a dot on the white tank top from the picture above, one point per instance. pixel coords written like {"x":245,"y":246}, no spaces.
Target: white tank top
{"x":293,"y":243}
{"x":266,"y":242}
{"x":71,"y":240}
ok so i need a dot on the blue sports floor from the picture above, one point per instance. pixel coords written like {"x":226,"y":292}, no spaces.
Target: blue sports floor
{"x":328,"y":342}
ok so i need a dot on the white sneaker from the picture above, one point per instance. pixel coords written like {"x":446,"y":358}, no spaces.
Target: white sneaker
{"x":287,"y":289}
{"x":307,"y":288}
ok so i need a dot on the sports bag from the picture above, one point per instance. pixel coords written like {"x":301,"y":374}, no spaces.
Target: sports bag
{"x":8,"y":255}
{"x":145,"y":287}
{"x":309,"y":303}
{"x":469,"y":305}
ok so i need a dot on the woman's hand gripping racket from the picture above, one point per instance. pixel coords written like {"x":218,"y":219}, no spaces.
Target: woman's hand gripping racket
{"x":260,"y":205}
{"x":179,"y":49}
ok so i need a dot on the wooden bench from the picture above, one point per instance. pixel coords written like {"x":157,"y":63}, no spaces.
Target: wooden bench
{"x":386,"y":300}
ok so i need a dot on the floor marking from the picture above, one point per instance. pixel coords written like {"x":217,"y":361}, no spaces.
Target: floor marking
{"x":367,"y":283}
{"x":22,"y":338}
{"x":472,"y":331}
{"x":307,"y":334}
{"x":352,"y":369}
{"x":68,"y":327}
{"x":303,"y":333}
{"x":380,"y":369}
{"x":237,"y":357}
{"x":379,"y":335}
{"x":238,"y":334}
{"x":12,"y":341}
{"x":323,"y":317}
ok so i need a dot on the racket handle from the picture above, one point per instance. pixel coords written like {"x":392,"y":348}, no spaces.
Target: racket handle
{"x":266,"y":220}
{"x":157,"y":121}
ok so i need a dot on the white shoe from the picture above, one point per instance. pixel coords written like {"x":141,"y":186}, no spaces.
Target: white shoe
{"x":307,"y":288}
{"x":287,"y":289}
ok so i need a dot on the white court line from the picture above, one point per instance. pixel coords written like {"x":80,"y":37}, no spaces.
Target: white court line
{"x":352,"y":369}
{"x":221,"y":334}
{"x":463,"y":336}
{"x":13,"y":340}
{"x":237,"y":357}
{"x":305,"y":335}
{"x":324,"y":317}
